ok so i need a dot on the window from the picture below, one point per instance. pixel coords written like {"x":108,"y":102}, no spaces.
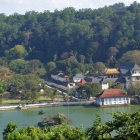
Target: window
{"x":128,"y":78}
{"x":133,"y":72}
{"x":137,"y":78}
{"x":114,"y":99}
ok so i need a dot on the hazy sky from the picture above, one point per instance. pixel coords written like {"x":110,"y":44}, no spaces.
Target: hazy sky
{"x":21,"y":6}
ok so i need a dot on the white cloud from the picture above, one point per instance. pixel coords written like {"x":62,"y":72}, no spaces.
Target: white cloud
{"x":16,"y":1}
{"x":21,"y":6}
{"x":80,"y":4}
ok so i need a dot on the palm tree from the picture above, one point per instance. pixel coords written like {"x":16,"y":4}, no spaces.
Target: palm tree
{"x":41,"y":112}
{"x":56,"y":94}
{"x":66,"y":99}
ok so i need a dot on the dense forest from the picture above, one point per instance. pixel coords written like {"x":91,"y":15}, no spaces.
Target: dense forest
{"x":70,"y":40}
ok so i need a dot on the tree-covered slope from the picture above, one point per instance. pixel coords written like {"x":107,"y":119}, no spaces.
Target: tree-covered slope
{"x":103,"y":34}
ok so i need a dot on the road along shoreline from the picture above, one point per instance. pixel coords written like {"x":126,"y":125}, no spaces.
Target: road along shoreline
{"x":29,"y":106}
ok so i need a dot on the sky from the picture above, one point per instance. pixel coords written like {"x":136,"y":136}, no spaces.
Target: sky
{"x":10,"y":7}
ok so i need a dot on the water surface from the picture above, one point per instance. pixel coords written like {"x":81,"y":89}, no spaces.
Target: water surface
{"x":80,"y":115}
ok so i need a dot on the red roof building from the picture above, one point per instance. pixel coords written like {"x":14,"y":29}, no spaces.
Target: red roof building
{"x":112,"y":97}
{"x":82,"y":82}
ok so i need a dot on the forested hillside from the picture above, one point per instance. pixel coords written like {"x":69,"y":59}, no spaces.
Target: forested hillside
{"x":70,"y":40}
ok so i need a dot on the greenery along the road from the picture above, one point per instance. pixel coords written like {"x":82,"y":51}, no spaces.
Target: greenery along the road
{"x":124,"y":124}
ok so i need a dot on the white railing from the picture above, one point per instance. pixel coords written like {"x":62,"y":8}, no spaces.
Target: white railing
{"x":45,"y":104}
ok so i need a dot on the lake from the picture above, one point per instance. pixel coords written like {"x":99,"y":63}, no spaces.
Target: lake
{"x":80,"y":115}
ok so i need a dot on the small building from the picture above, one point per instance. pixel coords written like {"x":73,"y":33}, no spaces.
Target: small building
{"x":78,"y":77}
{"x":112,"y":97}
{"x":105,"y":81}
{"x":63,"y":78}
{"x":98,"y":79}
{"x":60,"y":76}
{"x":71,"y":85}
{"x":55,"y":75}
{"x":112,"y":73}
{"x":105,"y":84}
{"x":131,"y":73}
{"x":81,"y":83}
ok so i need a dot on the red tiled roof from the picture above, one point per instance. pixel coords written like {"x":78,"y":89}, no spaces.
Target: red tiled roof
{"x":66,"y":76}
{"x":82,"y":82}
{"x":112,"y":93}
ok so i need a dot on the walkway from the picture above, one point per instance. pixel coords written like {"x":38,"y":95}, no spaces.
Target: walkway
{"x":44,"y":105}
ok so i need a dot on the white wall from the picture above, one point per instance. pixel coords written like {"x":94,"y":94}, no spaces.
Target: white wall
{"x":113,"y":101}
{"x":127,"y":84}
{"x":71,"y":85}
{"x":54,"y":76}
{"x":77,"y":79}
{"x":62,"y":79}
{"x":105,"y":86}
{"x":136,"y":73}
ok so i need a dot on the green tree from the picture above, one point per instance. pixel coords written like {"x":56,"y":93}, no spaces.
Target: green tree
{"x":89,"y":89}
{"x":18,"y":52}
{"x":116,"y":85}
{"x":99,"y":67}
{"x":5,"y":73}
{"x":8,"y":130}
{"x":31,"y":88}
{"x":2,"y":87}
{"x":50,"y":67}
{"x":131,"y":56}
{"x":57,"y":119}
{"x":1,"y":98}
{"x":15,"y":84}
{"x":24,"y":86}
{"x":61,"y":133}
{"x":19,"y":66}
{"x":124,"y":124}
{"x":134,"y":90}
{"x":75,"y":71}
{"x":98,"y":131}
{"x":36,"y":67}
{"x":3,"y":61}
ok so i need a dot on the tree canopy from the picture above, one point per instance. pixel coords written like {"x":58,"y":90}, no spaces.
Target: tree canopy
{"x":89,"y":89}
{"x":76,"y":38}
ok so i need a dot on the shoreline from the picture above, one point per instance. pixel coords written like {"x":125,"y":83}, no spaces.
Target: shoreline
{"x":41,"y":105}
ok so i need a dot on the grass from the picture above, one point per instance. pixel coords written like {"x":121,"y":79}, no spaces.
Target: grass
{"x":17,"y":101}
{"x":10,"y":101}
